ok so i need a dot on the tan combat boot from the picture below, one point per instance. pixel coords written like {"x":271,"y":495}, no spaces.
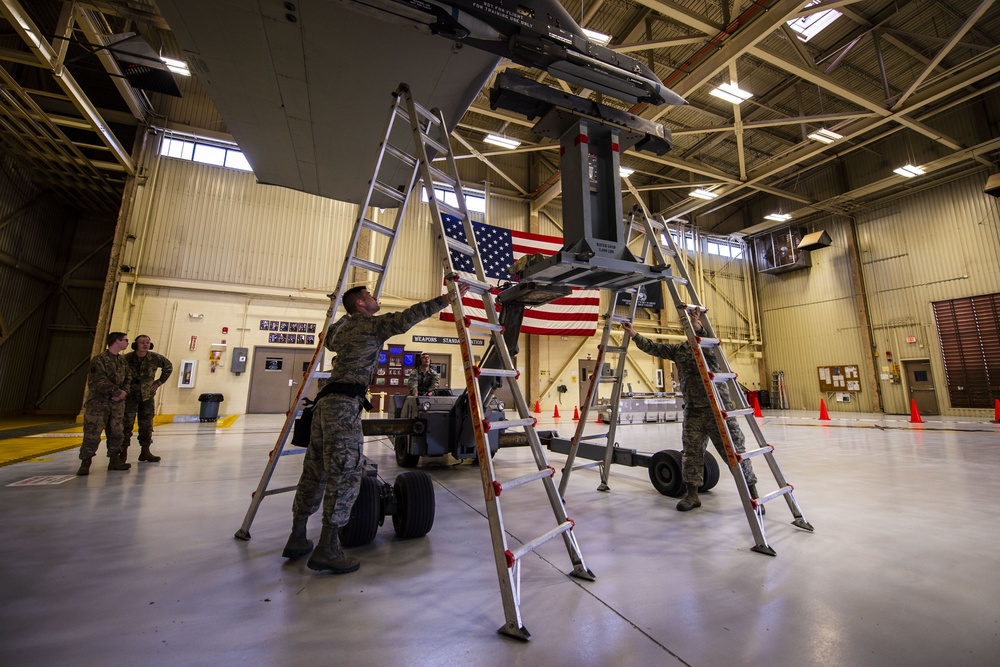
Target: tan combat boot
{"x":148,"y":456}
{"x":298,"y":544}
{"x":329,"y":555}
{"x":117,"y":462}
{"x":689,"y":501}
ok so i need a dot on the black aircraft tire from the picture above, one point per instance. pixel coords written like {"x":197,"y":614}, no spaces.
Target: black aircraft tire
{"x":365,"y":516}
{"x":665,"y":472}
{"x":414,"y":515}
{"x":711,"y":473}
{"x":404,"y":459}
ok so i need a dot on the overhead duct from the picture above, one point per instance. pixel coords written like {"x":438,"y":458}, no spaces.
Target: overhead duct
{"x":815,"y":241}
{"x":993,"y":186}
{"x":141,"y":65}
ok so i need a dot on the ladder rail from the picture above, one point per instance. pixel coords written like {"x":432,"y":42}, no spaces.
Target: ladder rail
{"x":351,"y":263}
{"x":506,"y":559}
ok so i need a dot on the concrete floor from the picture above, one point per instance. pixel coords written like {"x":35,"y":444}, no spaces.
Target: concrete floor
{"x":142,"y":567}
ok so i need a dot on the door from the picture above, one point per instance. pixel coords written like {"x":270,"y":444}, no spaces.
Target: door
{"x":275,"y":378}
{"x":921,"y":386}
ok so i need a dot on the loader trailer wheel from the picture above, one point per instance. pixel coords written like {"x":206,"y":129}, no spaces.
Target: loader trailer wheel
{"x":366,"y":515}
{"x":414,"y":515}
{"x":711,"y":477}
{"x":403,"y":458}
{"x":665,"y":473}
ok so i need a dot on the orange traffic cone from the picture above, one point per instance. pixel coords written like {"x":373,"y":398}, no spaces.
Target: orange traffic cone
{"x":576,"y":412}
{"x":996,"y":413}
{"x":824,"y":416}
{"x":599,"y":417}
{"x":914,"y":413}
{"x":555,"y":412}
{"x":538,"y":407}
{"x":756,"y":406}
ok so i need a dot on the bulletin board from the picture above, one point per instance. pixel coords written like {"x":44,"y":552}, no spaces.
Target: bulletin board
{"x":839,"y":378}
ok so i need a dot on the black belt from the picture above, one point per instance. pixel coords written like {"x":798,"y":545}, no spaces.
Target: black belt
{"x":347,"y":389}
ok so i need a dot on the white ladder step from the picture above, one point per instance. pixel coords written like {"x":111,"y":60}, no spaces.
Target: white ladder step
{"x":514,"y":423}
{"x":482,"y":326}
{"x":435,"y":144}
{"x":448,"y":209}
{"x":401,"y":155}
{"x":737,"y":413}
{"x":499,"y":487}
{"x":441,"y":177}
{"x":721,"y":377}
{"x":756,"y":452}
{"x":390,"y":191}
{"x":707,"y":342}
{"x":365,"y":264}
{"x":514,"y":556}
{"x":588,"y":464}
{"x":495,"y":372}
{"x":774,"y":494}
{"x":377,"y":228}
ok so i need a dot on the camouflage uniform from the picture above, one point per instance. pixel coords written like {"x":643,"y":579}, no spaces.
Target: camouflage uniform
{"x":699,"y":421}
{"x":108,"y":375}
{"x":333,"y":458}
{"x":423,"y":383}
{"x":140,"y":399}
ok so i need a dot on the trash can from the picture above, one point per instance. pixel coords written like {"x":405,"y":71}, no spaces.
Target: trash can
{"x":210,"y":407}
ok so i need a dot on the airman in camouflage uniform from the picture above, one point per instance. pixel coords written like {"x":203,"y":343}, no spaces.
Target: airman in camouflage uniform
{"x":423,"y":379}
{"x":699,"y":420}
{"x":143,"y":364}
{"x":107,"y":380}
{"x":333,"y":457}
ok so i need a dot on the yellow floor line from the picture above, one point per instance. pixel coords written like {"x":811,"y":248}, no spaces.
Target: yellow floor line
{"x":16,"y":450}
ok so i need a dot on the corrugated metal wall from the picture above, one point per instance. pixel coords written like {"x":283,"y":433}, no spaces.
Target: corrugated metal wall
{"x":939,"y":243}
{"x":51,"y":280}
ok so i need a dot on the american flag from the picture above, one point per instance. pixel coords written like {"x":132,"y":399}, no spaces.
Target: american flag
{"x":574,"y":315}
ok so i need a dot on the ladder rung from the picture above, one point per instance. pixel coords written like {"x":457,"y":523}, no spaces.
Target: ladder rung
{"x":475,"y":286}
{"x":766,"y":449}
{"x":511,"y":423}
{"x":524,"y":479}
{"x":495,"y":372}
{"x":375,"y":227}
{"x":737,"y":413}
{"x":707,"y":342}
{"x":677,"y":279}
{"x":425,"y":112}
{"x":390,"y":192}
{"x":722,"y":377}
{"x":482,"y":326}
{"x":614,"y":349}
{"x":365,"y":264}
{"x":435,"y":144}
{"x":284,"y":489}
{"x":400,"y":155}
{"x":460,"y":247}
{"x":621,"y":318}
{"x":594,"y":436}
{"x":610,"y":378}
{"x":589,"y":464}
{"x":774,"y":494}
{"x":448,"y":209}
{"x":443,"y":177}
{"x":540,"y":540}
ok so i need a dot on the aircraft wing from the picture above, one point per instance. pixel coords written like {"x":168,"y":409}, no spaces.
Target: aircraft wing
{"x":306,"y":91}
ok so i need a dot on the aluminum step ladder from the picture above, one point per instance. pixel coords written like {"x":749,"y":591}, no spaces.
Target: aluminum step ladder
{"x":394,"y":177}
{"x":432,"y":136}
{"x":718,"y":379}
{"x":617,"y":353}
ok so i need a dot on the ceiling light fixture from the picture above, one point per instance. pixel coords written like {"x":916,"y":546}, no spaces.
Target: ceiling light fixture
{"x":778,"y":217}
{"x":625,"y":172}
{"x":702,"y":193}
{"x":825,"y":136}
{"x":502,"y":142}
{"x":909,"y":171}
{"x":176,"y":66}
{"x":598,"y":38}
{"x":730,"y":92}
